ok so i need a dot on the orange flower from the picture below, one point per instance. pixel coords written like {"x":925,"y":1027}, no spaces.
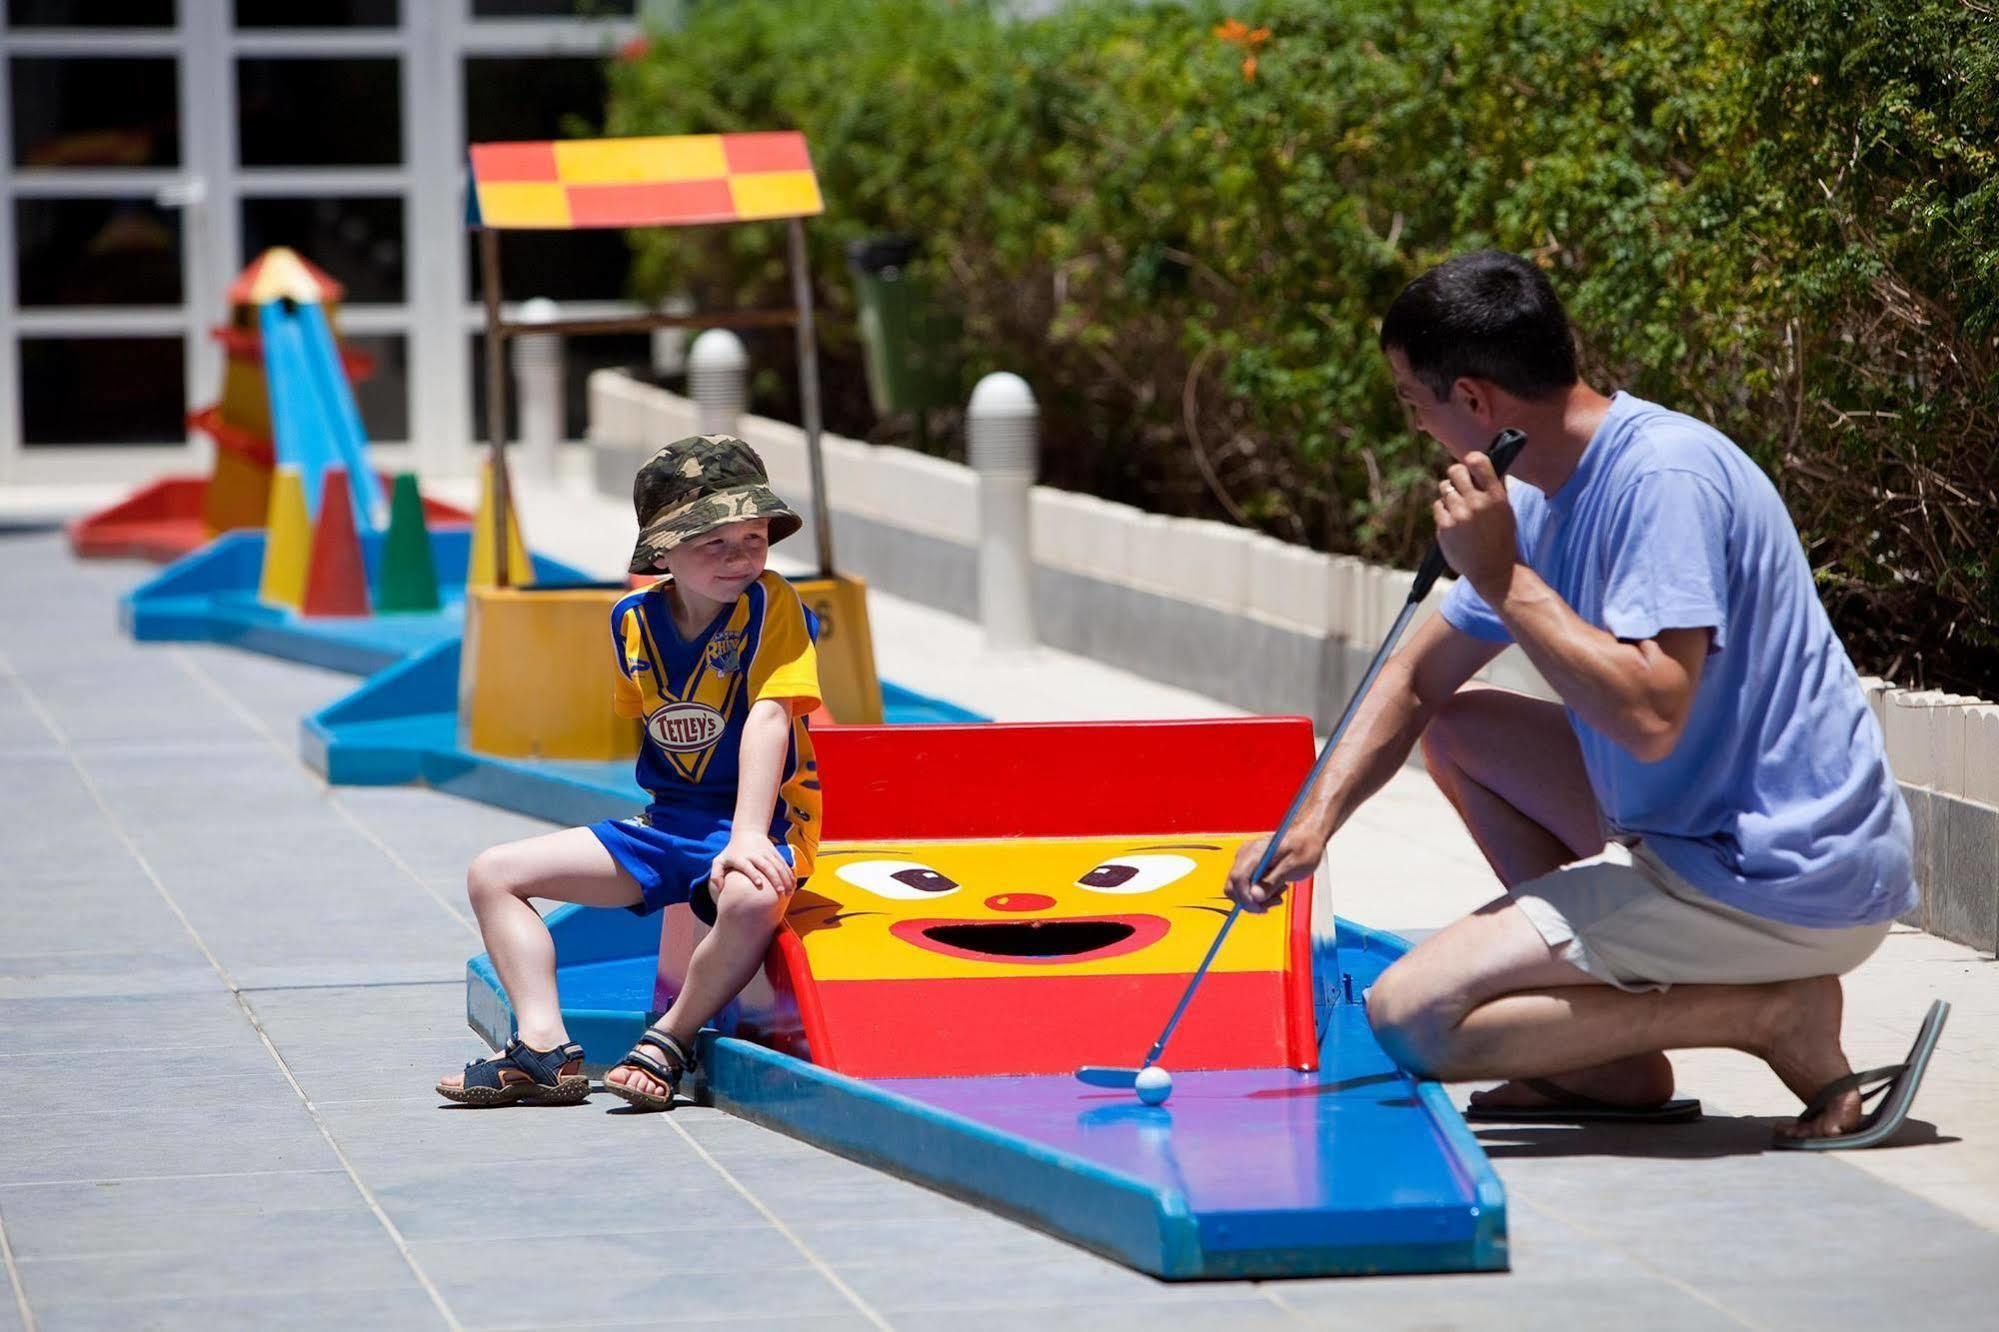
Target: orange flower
{"x":1237,"y":33}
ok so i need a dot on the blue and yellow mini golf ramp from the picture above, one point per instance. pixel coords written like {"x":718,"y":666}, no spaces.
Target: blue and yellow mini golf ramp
{"x":993,"y":906}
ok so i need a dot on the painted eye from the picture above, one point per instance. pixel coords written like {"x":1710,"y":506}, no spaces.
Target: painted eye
{"x":1135,"y":874}
{"x":905,"y":879}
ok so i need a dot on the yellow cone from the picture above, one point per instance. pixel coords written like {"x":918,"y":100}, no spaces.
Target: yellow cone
{"x":520,"y":571}
{"x":287,"y":541}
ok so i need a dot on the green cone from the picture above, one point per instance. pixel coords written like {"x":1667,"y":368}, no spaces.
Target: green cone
{"x":408,"y":580}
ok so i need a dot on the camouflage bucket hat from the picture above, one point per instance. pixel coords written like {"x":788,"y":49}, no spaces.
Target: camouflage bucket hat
{"x":696,"y":485}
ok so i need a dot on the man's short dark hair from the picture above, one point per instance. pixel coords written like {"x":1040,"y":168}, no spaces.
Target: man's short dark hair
{"x":1486,"y":315}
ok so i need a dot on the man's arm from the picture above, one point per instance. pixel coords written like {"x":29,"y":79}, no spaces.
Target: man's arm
{"x":1412,"y":686}
{"x":1636,"y":692}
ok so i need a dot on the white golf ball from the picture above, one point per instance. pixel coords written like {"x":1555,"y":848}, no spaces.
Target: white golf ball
{"x":1154,"y":1085}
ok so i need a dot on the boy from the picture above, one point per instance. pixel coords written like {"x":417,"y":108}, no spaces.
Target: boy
{"x":717,"y":659}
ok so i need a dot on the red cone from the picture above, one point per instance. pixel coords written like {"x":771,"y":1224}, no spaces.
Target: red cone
{"x":336,"y":583}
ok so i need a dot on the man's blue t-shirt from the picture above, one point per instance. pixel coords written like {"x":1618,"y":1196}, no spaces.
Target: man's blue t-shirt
{"x":1777,"y":799}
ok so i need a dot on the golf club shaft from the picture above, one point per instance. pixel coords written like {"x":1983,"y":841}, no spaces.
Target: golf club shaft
{"x":1297,"y":802}
{"x":1505,"y":447}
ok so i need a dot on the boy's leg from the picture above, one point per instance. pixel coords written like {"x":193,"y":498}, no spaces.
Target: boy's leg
{"x":1487,"y":997}
{"x":567,"y":866}
{"x":1530,"y":817}
{"x":746,"y":917}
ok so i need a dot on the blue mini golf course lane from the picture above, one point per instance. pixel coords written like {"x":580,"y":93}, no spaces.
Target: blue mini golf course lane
{"x":1357,"y":1168}
{"x":401,"y":725}
{"x":210,"y":596}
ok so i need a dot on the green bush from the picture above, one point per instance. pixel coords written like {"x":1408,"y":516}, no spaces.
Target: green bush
{"x":1780,"y":215}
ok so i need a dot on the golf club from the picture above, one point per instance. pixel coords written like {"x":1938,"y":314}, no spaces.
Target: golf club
{"x":1154,"y":1089}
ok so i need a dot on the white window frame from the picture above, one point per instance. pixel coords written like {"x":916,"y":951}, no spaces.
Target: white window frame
{"x":432,"y":39}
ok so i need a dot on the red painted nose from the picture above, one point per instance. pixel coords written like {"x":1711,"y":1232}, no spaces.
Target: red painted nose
{"x":1020,"y":902}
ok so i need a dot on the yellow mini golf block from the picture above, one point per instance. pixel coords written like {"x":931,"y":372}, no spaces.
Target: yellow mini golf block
{"x":847,"y":680}
{"x":536,"y":675}
{"x":287,"y":542}
{"x":520,"y":570}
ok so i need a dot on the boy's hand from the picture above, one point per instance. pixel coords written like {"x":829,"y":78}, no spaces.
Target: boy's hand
{"x":752,"y":856}
{"x":1297,"y":857}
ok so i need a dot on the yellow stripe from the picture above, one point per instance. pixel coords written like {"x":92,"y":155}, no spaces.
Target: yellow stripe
{"x":640,"y":161}
{"x":524,"y":204}
{"x":764,"y":194}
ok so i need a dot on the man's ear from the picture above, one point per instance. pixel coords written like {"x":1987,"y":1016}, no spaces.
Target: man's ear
{"x":1475,"y":396}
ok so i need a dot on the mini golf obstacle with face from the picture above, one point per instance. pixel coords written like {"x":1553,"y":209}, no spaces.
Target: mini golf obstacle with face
{"x":995,"y":905}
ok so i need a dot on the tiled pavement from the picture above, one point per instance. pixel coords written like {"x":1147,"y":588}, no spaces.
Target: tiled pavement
{"x":225,"y":991}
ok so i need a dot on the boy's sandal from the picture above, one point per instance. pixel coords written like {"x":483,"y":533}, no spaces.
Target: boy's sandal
{"x":522,"y":1075}
{"x":680,"y":1062}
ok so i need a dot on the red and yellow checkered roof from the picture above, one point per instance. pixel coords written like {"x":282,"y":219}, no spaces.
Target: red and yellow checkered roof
{"x":653,"y":182}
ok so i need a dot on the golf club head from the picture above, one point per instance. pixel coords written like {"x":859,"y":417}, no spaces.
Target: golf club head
{"x":1100,"y":1075}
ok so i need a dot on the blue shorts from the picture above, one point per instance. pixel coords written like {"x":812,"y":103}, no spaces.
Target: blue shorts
{"x":669,"y":852}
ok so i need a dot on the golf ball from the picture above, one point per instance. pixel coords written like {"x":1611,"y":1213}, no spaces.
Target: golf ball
{"x":1154,"y":1085}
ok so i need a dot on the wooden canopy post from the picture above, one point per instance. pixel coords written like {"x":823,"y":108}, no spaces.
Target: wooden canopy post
{"x":808,"y":393}
{"x":496,"y":400}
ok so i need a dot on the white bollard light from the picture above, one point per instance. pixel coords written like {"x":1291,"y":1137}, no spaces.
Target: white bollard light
{"x":718,"y":379}
{"x":538,"y":381}
{"x":669,"y":345}
{"x":1001,"y":435}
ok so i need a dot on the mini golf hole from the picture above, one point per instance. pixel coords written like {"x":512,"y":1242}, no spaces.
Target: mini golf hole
{"x":1020,"y":939}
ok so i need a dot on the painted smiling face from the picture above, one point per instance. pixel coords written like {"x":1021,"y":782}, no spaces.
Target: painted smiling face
{"x":1025,"y":907}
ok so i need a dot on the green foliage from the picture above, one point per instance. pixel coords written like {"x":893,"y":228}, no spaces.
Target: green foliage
{"x":1779,"y":215}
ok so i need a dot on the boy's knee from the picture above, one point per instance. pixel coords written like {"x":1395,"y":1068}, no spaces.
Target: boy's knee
{"x":495,"y":873}
{"x":742,"y":904}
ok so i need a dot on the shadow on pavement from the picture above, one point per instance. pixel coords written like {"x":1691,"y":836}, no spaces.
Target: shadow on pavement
{"x":1711,"y":1136}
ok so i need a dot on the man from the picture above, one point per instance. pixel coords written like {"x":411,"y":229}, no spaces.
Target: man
{"x":1704,"y":834}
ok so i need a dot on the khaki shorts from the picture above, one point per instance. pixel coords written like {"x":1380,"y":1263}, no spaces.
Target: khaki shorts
{"x":1628,"y":920}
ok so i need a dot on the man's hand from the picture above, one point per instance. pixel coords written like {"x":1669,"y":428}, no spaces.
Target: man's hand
{"x":752,"y":856}
{"x":1475,"y":525}
{"x":1297,"y":857}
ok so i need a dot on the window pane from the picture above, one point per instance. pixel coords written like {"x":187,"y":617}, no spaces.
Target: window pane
{"x":97,"y":252}
{"x":544,"y":97}
{"x":358,"y":241}
{"x":384,"y":396}
{"x":74,"y":112}
{"x":91,"y":13}
{"x":320,"y":112}
{"x":554,"y":8}
{"x":103,"y":390}
{"x":580,"y":356}
{"x":561,"y":265}
{"x":317,"y":13}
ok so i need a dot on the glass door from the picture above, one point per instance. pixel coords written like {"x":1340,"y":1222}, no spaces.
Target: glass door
{"x":103,"y":234}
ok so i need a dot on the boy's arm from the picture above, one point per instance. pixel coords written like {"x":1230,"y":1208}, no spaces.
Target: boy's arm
{"x":765,"y":745}
{"x":1412,"y":686}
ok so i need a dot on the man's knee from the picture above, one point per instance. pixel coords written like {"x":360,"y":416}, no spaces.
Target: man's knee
{"x":1443,"y":738}
{"x":1413,"y":1019}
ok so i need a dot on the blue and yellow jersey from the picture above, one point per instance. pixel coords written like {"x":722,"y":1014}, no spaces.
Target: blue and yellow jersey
{"x":695,"y":695}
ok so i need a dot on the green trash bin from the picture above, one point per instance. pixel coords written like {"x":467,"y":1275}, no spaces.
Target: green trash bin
{"x":909,"y":340}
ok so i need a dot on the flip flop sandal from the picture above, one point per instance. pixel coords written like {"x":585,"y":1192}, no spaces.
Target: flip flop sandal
{"x":682,"y":1063}
{"x":1567,"y":1107}
{"x":520,"y":1075}
{"x":1897,"y":1081}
